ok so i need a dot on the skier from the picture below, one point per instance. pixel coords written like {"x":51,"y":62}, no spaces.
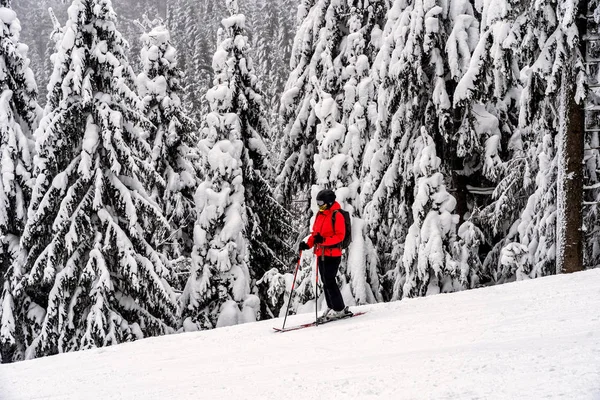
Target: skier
{"x":327,"y":242}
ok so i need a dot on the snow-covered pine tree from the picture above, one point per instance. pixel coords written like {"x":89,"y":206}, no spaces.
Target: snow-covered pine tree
{"x":489,"y":86}
{"x":87,"y":277}
{"x":172,"y":138}
{"x":316,"y":45}
{"x":410,"y":72}
{"x":341,"y":144}
{"x":489,"y":154}
{"x":376,"y":156}
{"x":427,"y":260}
{"x":19,"y":114}
{"x":466,"y":253}
{"x":240,"y":229}
{"x":34,"y":13}
{"x":547,"y":50}
{"x":276,"y":290}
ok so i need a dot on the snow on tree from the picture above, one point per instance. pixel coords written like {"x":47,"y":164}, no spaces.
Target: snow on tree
{"x":19,"y":113}
{"x":172,"y":139}
{"x":87,"y":275}
{"x":466,"y":253}
{"x":240,"y":230}
{"x":537,"y":226}
{"x":427,"y":266}
{"x":513,"y":262}
{"x":486,"y":98}
{"x":333,"y":53}
{"x":276,"y":290}
{"x":316,"y":45}
{"x":359,"y":113}
{"x":545,"y":46}
{"x":410,"y":73}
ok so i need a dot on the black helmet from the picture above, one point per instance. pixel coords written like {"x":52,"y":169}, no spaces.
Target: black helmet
{"x":327,"y":196}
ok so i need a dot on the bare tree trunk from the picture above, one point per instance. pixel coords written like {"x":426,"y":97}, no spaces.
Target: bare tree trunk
{"x":569,"y":235}
{"x":570,"y":187}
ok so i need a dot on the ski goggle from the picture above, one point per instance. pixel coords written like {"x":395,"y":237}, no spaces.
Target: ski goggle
{"x":322,"y":205}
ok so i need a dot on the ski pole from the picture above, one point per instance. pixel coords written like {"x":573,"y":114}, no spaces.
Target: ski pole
{"x":317,"y":292}
{"x":292,"y":291}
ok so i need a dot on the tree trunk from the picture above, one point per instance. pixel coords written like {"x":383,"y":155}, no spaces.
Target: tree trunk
{"x":570,"y":188}
{"x":569,"y":235}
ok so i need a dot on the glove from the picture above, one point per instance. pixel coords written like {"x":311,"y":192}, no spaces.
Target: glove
{"x":303,"y":246}
{"x":318,"y":239}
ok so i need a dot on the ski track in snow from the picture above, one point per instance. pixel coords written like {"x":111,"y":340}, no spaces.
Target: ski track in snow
{"x":526,"y":340}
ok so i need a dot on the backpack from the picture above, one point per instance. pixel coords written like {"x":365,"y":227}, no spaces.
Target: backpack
{"x":348,"y":223}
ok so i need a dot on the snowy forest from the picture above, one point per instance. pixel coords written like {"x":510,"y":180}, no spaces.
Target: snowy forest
{"x":160,"y":159}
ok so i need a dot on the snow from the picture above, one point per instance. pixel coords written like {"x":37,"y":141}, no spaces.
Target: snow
{"x":7,"y":16}
{"x":531,"y":339}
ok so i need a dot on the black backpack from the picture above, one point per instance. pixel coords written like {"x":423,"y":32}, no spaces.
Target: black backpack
{"x":348,"y":234}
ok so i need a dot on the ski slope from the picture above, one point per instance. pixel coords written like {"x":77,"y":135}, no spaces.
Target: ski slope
{"x":530,"y":340}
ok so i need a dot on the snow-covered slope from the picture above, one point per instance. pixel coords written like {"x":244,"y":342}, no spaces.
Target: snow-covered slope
{"x":534,"y":339}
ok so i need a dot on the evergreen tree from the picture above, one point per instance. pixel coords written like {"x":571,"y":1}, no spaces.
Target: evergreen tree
{"x":546,"y":45}
{"x":194,"y":25}
{"x":87,"y":276}
{"x":333,"y":43}
{"x":466,"y":254}
{"x":410,"y":72}
{"x":537,"y":227}
{"x":240,"y":229}
{"x":18,"y":118}
{"x":359,"y":114}
{"x":316,"y":45}
{"x":273,"y":26}
{"x":427,"y":261}
{"x":172,"y":139}
{"x":340,"y":149}
{"x":34,"y":14}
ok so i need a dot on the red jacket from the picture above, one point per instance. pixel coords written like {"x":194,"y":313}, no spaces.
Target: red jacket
{"x":323,"y":225}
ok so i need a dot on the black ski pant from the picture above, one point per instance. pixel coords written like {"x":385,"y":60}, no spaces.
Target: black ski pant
{"x":328,"y":269}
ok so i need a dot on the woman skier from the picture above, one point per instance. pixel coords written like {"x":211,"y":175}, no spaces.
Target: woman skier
{"x":327,"y":238}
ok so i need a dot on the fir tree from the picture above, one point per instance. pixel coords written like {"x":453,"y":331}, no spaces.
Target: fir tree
{"x":546,"y":45}
{"x":427,"y":261}
{"x":172,"y":139}
{"x":19,"y":113}
{"x":359,"y":113}
{"x":466,"y":254}
{"x":273,"y":27}
{"x":410,"y":73}
{"x":489,"y":148}
{"x":87,"y":276}
{"x":316,"y":45}
{"x":240,"y":230}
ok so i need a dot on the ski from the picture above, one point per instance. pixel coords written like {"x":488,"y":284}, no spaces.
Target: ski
{"x":308,"y":325}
